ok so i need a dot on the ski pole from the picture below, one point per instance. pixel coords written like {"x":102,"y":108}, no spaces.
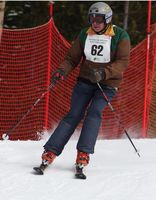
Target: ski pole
{"x":117,"y":117}
{"x":5,"y":136}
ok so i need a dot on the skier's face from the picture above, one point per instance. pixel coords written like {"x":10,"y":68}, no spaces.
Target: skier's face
{"x":97,"y":22}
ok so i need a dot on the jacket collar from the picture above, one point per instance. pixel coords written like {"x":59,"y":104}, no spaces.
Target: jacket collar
{"x":109,"y":31}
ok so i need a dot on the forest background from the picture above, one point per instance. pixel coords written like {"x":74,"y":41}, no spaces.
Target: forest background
{"x":71,"y":16}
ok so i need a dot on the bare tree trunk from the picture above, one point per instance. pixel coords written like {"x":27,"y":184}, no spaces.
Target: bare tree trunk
{"x":2,"y":6}
{"x":126,"y":8}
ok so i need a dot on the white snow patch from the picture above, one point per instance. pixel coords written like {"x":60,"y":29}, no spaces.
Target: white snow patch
{"x":115,"y":172}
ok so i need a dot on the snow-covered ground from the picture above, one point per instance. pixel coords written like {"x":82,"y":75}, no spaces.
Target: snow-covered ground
{"x":115,"y":172}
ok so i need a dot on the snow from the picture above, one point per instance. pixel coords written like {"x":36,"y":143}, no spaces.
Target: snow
{"x":115,"y":172}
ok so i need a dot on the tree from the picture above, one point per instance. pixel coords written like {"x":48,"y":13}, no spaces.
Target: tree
{"x":26,"y":14}
{"x":2,"y":6}
{"x":71,"y":16}
{"x":126,"y":8}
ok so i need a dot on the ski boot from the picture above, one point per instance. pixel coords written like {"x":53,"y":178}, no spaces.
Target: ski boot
{"x":81,"y":161}
{"x":47,"y":159}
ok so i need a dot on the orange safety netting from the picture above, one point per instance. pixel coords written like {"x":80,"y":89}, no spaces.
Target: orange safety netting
{"x":27,"y":59}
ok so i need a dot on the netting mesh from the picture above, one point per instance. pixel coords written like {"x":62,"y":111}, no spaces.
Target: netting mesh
{"x":27,"y":59}
{"x":23,"y":77}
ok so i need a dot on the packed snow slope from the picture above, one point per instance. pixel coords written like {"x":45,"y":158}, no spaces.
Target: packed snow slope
{"x":115,"y":172}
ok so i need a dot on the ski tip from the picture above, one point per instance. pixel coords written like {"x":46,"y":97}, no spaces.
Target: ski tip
{"x":38,"y":171}
{"x":80,"y":176}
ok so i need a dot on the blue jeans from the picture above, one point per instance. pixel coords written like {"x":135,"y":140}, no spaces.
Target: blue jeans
{"x":87,"y":102}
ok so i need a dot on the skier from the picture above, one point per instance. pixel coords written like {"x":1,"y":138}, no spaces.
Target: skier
{"x":104,"y":49}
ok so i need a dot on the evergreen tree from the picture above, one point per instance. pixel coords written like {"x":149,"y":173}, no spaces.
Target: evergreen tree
{"x":71,"y":16}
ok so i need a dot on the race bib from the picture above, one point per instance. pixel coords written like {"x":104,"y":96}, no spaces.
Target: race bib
{"x":97,"y":48}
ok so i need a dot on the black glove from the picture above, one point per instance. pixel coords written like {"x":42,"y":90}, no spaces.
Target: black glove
{"x":59,"y":74}
{"x":96,"y":75}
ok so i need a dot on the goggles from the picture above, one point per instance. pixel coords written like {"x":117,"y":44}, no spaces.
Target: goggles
{"x":96,"y":18}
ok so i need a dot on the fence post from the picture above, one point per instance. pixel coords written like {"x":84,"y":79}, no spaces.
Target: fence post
{"x":49,"y":63}
{"x":146,"y":70}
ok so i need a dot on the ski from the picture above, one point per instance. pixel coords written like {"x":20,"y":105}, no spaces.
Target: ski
{"x":79,"y":173}
{"x":40,"y":170}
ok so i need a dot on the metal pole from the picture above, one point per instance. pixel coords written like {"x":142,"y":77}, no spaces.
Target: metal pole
{"x":118,"y":119}
{"x":6,"y":135}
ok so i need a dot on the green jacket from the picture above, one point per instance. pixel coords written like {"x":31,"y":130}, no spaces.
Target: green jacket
{"x":119,"y":57}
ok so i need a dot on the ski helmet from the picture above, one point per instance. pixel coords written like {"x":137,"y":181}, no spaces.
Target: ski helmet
{"x":101,"y":8}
